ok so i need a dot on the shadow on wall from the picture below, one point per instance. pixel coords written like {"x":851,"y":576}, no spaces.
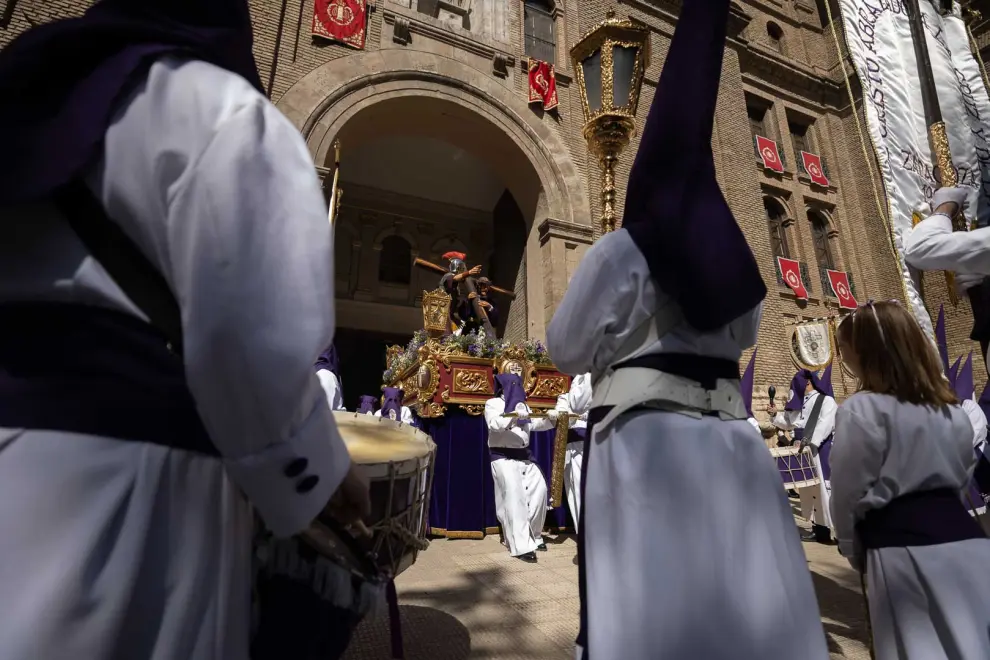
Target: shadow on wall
{"x":506,"y":267}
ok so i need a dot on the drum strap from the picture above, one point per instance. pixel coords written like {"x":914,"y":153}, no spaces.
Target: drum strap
{"x":816,"y":413}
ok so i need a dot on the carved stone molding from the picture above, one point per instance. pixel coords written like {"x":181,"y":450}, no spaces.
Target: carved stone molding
{"x":500,"y":65}
{"x":401,"y":34}
{"x":568,"y":231}
{"x":472,"y":44}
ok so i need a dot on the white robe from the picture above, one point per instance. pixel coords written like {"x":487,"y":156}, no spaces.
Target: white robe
{"x":405,"y":416}
{"x":673,"y":572}
{"x":520,"y":487}
{"x":331,"y":386}
{"x":117,"y":549}
{"x":814,"y":499}
{"x":929,"y":603}
{"x":932,"y":245}
{"x":576,"y":401}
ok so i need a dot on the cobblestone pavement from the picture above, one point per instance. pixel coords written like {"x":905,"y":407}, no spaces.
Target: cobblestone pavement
{"x":470,"y":599}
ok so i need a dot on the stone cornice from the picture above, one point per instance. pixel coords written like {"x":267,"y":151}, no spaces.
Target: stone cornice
{"x":568,"y":231}
{"x":427,"y":26}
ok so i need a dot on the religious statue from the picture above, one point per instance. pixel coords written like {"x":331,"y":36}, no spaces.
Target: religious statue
{"x":471,"y":308}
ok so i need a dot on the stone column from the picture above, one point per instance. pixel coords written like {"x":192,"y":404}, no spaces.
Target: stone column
{"x":562,"y":245}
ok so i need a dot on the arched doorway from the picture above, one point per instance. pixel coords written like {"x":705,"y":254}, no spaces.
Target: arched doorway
{"x":436,"y":157}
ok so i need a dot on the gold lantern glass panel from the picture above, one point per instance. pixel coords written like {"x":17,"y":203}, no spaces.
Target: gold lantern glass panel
{"x":609,"y":63}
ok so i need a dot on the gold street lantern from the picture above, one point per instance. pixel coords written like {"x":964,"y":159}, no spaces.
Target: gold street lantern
{"x":609,"y":62}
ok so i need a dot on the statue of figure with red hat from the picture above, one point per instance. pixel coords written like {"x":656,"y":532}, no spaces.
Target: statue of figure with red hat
{"x":467,"y":308}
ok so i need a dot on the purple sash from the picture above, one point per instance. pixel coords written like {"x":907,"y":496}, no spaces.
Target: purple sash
{"x":94,"y":371}
{"x":577,"y":435}
{"x":512,"y":453}
{"x":930,"y":517}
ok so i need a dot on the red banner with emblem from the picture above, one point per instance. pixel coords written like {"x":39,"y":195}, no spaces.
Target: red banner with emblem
{"x":542,"y":84}
{"x":344,"y":21}
{"x":790,"y":271}
{"x":840,"y":284}
{"x":813,"y":166}
{"x":769,"y":154}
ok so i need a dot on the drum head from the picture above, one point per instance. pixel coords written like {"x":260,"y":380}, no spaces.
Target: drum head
{"x":373,"y":440}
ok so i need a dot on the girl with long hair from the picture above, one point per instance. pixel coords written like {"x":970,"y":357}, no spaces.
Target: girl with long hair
{"x":903,"y":455}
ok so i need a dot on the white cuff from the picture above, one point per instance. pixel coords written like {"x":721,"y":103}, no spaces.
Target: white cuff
{"x":290,"y":482}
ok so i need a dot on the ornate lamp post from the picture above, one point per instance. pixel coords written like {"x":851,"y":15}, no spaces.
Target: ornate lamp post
{"x":609,"y":62}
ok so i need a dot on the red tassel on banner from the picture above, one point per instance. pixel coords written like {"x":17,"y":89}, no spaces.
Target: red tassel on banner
{"x":769,"y":154}
{"x":344,"y":21}
{"x":542,"y":84}
{"x":790,"y":270}
{"x":840,"y":284}
{"x":813,"y":166}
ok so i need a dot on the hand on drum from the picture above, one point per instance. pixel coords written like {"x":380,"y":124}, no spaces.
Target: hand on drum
{"x":352,"y":500}
{"x":771,"y":409}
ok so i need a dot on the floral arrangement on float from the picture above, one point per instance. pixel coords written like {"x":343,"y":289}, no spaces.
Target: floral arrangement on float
{"x":437,"y":370}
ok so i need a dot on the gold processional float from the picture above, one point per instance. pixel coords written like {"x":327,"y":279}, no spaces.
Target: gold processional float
{"x":439,"y":372}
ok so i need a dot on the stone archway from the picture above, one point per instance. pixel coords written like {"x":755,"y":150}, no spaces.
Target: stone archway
{"x":338,"y":98}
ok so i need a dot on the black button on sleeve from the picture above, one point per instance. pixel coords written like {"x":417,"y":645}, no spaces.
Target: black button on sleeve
{"x":296,"y":467}
{"x":307,"y":484}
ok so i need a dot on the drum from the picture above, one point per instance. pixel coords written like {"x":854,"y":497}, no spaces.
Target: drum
{"x":313,"y":590}
{"x":797,"y":468}
{"x":398,"y":460}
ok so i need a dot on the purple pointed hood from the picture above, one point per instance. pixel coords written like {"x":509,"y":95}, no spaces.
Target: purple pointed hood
{"x":510,"y":387}
{"x":953,"y":373}
{"x":675,"y":212}
{"x":746,"y":384}
{"x":60,"y":82}
{"x":963,"y":385}
{"x":367,"y":404}
{"x":328,"y":360}
{"x":800,"y":382}
{"x":392,"y":403}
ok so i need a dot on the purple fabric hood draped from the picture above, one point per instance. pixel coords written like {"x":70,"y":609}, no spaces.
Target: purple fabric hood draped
{"x":392,"y":403}
{"x":800,"y":381}
{"x":60,"y":82}
{"x":367,"y":404}
{"x":510,"y":387}
{"x":675,"y":212}
{"x":328,"y":360}
{"x":963,"y":384}
{"x":746,"y":384}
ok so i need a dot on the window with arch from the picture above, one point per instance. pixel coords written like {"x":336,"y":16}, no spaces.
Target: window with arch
{"x":820,"y":237}
{"x":395,"y":261}
{"x":539,"y":30}
{"x":777,"y":224}
{"x":776,"y":34}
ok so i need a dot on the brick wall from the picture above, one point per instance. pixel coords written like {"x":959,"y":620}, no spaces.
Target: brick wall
{"x":799,"y":77}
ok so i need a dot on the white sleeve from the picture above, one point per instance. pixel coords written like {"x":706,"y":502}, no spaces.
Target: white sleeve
{"x":788,"y":420}
{"x":977,"y":419}
{"x":826,"y":421}
{"x":562,"y":405}
{"x":329,"y":383}
{"x":539,"y":423}
{"x":377,"y":413}
{"x":609,"y":296}
{"x":248,"y":253}
{"x":407,"y":416}
{"x":932,"y":245}
{"x":493,"y":415}
{"x":580,"y":395}
{"x":856,"y":457}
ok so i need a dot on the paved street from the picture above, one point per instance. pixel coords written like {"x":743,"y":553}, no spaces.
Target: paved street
{"x":469,"y":599}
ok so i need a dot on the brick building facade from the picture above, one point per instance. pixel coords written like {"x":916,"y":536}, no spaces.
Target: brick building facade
{"x":441,"y":151}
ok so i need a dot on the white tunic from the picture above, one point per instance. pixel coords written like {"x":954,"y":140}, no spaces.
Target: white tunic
{"x":331,"y":386}
{"x":673,"y":572}
{"x":814,"y":499}
{"x":520,"y":487}
{"x":928,"y":602}
{"x":576,"y":401}
{"x":405,"y":416}
{"x":116,"y":549}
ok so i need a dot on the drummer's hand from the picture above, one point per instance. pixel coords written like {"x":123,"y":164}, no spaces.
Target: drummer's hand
{"x":771,"y":409}
{"x":352,"y":500}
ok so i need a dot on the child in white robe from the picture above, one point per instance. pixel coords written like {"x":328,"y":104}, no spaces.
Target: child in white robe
{"x":520,"y":487}
{"x":327,"y":367}
{"x":903,"y":456}
{"x":576,"y":401}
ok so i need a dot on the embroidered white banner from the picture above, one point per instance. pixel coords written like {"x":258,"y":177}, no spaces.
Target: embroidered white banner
{"x":878,"y":35}
{"x":812,"y":344}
